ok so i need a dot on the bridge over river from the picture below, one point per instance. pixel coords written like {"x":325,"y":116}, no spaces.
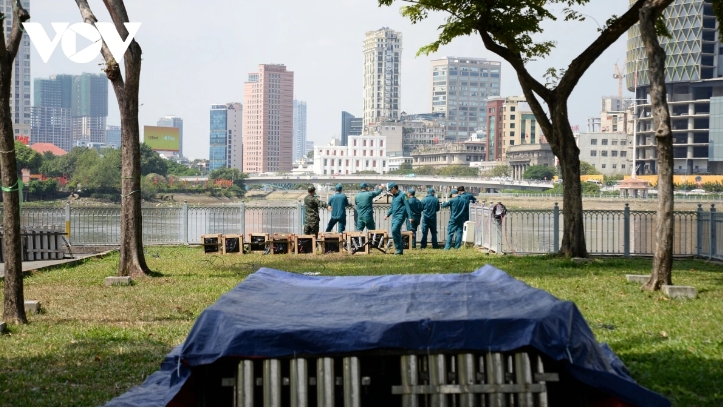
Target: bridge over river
{"x":484,"y":184}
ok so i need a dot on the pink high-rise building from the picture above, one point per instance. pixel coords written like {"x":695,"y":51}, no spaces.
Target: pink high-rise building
{"x":268,"y":120}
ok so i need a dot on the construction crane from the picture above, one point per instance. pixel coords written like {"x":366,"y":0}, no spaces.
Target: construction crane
{"x":619,"y":76}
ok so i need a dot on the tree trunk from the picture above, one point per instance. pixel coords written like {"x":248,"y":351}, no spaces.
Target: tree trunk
{"x":663,"y":252}
{"x":567,"y":152}
{"x":563,"y":145}
{"x":13,"y":299}
{"x":14,"y":302}
{"x":132,"y":260}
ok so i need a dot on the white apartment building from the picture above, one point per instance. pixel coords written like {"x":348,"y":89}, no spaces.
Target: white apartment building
{"x":460,"y":87}
{"x":382,"y":68}
{"x":607,"y":152}
{"x":609,"y":141}
{"x":234,"y":128}
{"x":363,"y":153}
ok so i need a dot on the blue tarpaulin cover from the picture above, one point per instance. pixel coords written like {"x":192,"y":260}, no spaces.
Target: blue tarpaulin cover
{"x":277,"y":314}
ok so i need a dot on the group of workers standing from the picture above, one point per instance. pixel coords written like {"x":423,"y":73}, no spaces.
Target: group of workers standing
{"x":406,"y":210}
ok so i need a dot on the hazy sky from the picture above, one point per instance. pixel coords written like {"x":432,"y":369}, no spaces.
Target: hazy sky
{"x":198,"y":53}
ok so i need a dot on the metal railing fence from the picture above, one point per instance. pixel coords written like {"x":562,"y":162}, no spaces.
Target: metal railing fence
{"x":610,"y":232}
{"x":185,"y":224}
{"x":612,"y":197}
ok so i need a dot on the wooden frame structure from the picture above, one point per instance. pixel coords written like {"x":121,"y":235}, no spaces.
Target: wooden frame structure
{"x":356,"y":242}
{"x":331,"y":242}
{"x":212,"y":243}
{"x":377,"y":239}
{"x":257,"y":243}
{"x":281,"y":244}
{"x":305,"y":244}
{"x":233,"y":244}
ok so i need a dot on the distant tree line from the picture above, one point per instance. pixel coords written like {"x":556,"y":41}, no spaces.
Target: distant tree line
{"x":98,"y":173}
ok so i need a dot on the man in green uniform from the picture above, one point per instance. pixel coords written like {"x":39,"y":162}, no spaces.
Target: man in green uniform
{"x":398,"y":212}
{"x":414,"y":211}
{"x":363,"y":202}
{"x":430,"y":207}
{"x":312,"y":204}
{"x":458,"y":215}
{"x":337,"y":205}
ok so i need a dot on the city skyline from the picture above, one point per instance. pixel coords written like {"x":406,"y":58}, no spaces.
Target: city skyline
{"x":326,"y":57}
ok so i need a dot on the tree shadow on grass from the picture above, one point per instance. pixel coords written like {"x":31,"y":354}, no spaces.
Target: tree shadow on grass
{"x":683,"y":376}
{"x":89,"y":372}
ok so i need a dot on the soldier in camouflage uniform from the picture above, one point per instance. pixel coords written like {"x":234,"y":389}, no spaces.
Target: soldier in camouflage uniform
{"x":311,"y":207}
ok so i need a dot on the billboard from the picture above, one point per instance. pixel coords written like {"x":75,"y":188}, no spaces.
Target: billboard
{"x":162,"y":138}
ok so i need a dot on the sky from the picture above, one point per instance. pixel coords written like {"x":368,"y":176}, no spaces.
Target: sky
{"x":196,"y":54}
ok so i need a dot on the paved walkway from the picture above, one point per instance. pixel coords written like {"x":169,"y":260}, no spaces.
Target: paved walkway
{"x":51,"y":263}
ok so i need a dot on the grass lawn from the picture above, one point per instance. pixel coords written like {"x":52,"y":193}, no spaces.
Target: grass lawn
{"x":92,"y":342}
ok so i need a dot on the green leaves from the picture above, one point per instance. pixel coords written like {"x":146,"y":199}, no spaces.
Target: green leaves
{"x":718,"y":11}
{"x":510,"y":23}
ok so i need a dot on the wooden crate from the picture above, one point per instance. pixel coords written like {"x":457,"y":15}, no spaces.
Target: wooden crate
{"x":407,"y":239}
{"x":305,"y":244}
{"x":212,"y":243}
{"x":281,"y":244}
{"x":331,"y":242}
{"x":233,"y":244}
{"x":377,"y":240}
{"x":257,"y":243}
{"x":356,"y":243}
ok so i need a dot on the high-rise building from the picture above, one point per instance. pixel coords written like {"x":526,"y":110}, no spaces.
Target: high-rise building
{"x":350,"y":126}
{"x":51,"y":119}
{"x":113,"y":136}
{"x":234,"y":130}
{"x":175,"y":122}
{"x":89,"y":107}
{"x":346,"y":118}
{"x":382,"y":79}
{"x":694,"y":77}
{"x":226,"y":148}
{"x":68,"y":109}
{"x":460,"y":87}
{"x":268,"y":120}
{"x":20,"y":82}
{"x":218,"y":138}
{"x":495,"y":128}
{"x":299,"y":129}
{"x":309,"y":147}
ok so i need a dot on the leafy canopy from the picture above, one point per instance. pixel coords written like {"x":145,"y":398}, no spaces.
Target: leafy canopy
{"x":27,"y":158}
{"x":511,"y":23}
{"x":152,"y":162}
{"x":539,"y":172}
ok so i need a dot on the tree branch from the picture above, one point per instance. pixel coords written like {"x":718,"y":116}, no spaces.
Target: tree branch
{"x":515,"y":59}
{"x":540,"y":115}
{"x":609,"y":35}
{"x":112,"y":70}
{"x":16,"y":34}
